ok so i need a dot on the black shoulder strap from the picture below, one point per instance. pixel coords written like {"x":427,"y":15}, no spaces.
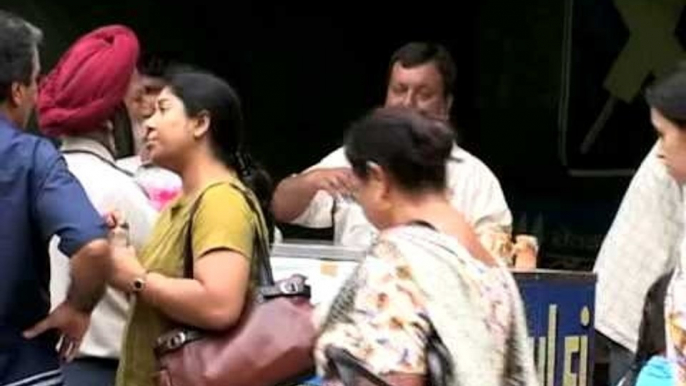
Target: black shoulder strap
{"x":260,"y":243}
{"x":110,"y":164}
{"x":101,"y":158}
{"x":422,"y":223}
{"x":188,"y":246}
{"x":350,"y":369}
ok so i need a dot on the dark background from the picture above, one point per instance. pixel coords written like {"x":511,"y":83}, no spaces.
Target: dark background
{"x":305,"y":71}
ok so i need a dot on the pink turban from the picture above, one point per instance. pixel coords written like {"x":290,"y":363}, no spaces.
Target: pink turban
{"x":89,"y":82}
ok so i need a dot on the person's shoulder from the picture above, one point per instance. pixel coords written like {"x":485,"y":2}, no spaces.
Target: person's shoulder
{"x":224,"y":206}
{"x":335,"y":159}
{"x":652,"y":168}
{"x":461,"y":156}
{"x":98,"y":174}
{"x":130,"y":164}
{"x":653,"y":182}
{"x":120,"y":181}
{"x":45,"y":153}
{"x":411,"y":239}
{"x":30,"y":152}
{"x":393,"y":243}
{"x":461,"y":161}
{"x":18,"y":145}
{"x":228,"y":195}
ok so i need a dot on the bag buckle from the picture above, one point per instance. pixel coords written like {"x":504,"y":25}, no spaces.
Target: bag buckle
{"x":177,"y":340}
{"x":289,"y":287}
{"x":171,"y":341}
{"x":292,"y":287}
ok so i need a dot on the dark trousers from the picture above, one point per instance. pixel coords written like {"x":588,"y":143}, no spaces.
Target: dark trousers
{"x":90,"y":371}
{"x":619,"y":357}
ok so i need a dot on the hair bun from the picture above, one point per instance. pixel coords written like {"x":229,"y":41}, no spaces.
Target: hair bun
{"x":433,"y":141}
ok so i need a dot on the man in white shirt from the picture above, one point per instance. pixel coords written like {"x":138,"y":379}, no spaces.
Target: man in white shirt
{"x":641,"y":246}
{"x":98,"y":69}
{"x":421,"y":76}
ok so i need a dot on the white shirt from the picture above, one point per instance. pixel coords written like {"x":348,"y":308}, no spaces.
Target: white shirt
{"x":641,"y":246}
{"x":474,"y":191}
{"x":109,"y":188}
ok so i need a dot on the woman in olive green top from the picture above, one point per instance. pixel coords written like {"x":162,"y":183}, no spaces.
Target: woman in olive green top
{"x":196,"y":131}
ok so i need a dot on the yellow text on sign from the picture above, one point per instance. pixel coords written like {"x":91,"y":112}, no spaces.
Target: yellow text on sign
{"x":575,"y":349}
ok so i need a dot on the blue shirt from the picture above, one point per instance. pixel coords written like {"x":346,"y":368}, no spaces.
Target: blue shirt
{"x":657,"y":372}
{"x":39,"y":198}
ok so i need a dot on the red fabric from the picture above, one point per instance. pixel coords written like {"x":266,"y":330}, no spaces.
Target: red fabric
{"x":89,"y":82}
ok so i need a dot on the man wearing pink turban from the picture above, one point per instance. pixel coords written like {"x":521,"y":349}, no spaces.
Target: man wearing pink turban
{"x":80,"y":102}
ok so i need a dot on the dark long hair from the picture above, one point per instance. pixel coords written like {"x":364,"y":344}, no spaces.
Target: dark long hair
{"x":204,"y":92}
{"x":668,"y":95}
{"x":122,"y":131}
{"x":651,"y":333}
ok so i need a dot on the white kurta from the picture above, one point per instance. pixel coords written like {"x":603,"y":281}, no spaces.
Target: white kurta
{"x":474,"y":190}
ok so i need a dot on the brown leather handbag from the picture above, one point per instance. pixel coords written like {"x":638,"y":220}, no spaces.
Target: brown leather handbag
{"x":272,"y":344}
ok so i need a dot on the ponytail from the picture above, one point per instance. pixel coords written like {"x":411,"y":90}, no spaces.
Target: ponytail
{"x":257,"y":179}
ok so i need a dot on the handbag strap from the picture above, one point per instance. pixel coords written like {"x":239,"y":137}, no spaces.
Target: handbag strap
{"x":422,"y":223}
{"x":260,"y":243}
{"x":349,"y":368}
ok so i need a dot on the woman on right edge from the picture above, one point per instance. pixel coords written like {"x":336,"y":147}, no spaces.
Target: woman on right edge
{"x":667,"y":100}
{"x":427,"y":268}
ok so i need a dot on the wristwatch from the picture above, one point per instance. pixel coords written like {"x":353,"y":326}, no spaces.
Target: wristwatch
{"x":138,"y":284}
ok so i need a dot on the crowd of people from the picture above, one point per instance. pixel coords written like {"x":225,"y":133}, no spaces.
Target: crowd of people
{"x":152,"y":167}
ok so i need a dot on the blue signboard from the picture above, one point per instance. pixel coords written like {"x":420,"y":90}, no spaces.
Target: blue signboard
{"x":560,"y":312}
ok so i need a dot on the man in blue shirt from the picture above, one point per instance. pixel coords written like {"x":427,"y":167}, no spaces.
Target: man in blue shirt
{"x":39,"y":199}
